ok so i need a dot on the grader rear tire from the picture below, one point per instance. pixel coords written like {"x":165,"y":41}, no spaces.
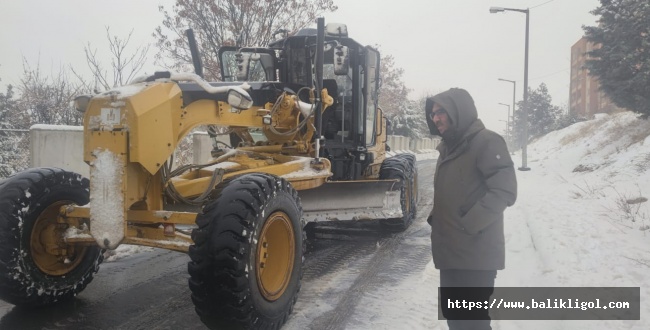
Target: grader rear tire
{"x":36,"y":266}
{"x":403,"y":168}
{"x":246,"y":261}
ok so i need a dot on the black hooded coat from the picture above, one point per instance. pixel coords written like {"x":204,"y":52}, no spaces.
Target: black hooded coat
{"x":474,"y":182}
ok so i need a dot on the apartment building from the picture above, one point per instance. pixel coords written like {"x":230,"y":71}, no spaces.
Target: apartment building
{"x":585,"y":98}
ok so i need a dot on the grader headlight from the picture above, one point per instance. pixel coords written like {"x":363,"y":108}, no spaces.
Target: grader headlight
{"x":81,"y":103}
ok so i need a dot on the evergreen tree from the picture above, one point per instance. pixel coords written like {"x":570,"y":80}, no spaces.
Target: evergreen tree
{"x":409,"y":120}
{"x":542,"y":114}
{"x":621,"y":60}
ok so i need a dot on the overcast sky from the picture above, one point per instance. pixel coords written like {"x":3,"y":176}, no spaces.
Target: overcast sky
{"x":439,"y":43}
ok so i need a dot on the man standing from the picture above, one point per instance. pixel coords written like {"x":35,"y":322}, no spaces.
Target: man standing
{"x":474,"y":183}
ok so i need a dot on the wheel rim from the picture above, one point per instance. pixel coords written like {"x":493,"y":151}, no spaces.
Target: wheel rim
{"x":49,"y":251}
{"x":275,"y":254}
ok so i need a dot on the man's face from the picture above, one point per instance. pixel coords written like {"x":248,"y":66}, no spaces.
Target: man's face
{"x":440,"y":118}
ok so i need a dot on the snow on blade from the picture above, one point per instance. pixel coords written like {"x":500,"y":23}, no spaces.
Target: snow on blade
{"x":307,"y":171}
{"x":106,"y":200}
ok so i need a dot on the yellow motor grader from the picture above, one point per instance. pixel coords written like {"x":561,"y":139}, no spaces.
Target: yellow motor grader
{"x":308,"y":143}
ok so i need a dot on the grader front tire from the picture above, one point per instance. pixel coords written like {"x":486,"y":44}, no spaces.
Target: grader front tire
{"x":403,"y":168}
{"x":247,"y":255}
{"x":36,"y":266}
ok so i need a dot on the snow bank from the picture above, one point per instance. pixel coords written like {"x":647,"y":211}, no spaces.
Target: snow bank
{"x":569,"y":226}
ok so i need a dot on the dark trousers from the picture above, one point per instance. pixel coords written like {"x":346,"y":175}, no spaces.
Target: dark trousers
{"x":458,"y":285}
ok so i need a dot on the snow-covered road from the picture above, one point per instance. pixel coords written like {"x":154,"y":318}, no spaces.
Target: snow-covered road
{"x":580,"y":220}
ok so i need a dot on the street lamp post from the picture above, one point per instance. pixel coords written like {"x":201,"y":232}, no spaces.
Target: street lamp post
{"x":512,"y":119}
{"x":524,"y":145}
{"x":507,"y":122}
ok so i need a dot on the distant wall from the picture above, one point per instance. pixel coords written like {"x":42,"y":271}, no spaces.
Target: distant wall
{"x":397,"y":142}
{"x":202,"y":146}
{"x":62,"y":146}
{"x":57,"y":146}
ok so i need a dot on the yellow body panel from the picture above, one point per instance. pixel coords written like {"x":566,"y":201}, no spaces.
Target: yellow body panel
{"x":153,"y":116}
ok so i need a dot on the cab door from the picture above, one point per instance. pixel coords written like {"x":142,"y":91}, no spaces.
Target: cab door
{"x":371,"y":95}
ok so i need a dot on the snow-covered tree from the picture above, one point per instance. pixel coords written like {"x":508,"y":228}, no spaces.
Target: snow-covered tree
{"x":12,"y":158}
{"x":218,"y":23}
{"x":406,"y":116}
{"x":393,"y":92}
{"x":409,"y":121}
{"x":621,"y":60}
{"x":542,"y":114}
{"x":6,"y":104}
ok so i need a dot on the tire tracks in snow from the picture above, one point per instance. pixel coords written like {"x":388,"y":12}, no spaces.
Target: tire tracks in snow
{"x":338,"y":317}
{"x":394,"y":259}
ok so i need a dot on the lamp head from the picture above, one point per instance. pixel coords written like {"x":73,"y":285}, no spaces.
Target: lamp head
{"x":494,"y":10}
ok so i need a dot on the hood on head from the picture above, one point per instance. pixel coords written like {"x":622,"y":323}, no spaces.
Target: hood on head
{"x":459,"y":106}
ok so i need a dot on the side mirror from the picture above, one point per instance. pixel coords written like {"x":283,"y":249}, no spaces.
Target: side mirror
{"x":243,"y":60}
{"x":239,"y":98}
{"x":341,"y":60}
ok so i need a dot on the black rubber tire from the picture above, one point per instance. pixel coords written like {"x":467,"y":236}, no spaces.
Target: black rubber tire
{"x":402,"y":167}
{"x":23,"y":197}
{"x":222,"y":269}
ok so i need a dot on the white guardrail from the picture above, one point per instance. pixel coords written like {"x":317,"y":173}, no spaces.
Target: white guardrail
{"x":62,"y":146}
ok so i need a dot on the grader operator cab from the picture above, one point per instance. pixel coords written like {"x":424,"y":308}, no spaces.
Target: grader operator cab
{"x":309,"y":144}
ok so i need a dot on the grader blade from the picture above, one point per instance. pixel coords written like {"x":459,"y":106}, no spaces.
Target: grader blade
{"x":352,"y":200}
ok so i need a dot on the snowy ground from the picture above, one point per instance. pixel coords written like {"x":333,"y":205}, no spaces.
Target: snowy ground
{"x":573,"y":224}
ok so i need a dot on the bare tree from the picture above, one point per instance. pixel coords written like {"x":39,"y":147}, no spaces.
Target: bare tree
{"x":124,"y":66}
{"x":41,"y":100}
{"x":218,"y":23}
{"x":45,"y":100}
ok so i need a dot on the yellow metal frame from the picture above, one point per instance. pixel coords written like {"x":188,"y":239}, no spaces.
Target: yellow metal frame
{"x":143,"y":124}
